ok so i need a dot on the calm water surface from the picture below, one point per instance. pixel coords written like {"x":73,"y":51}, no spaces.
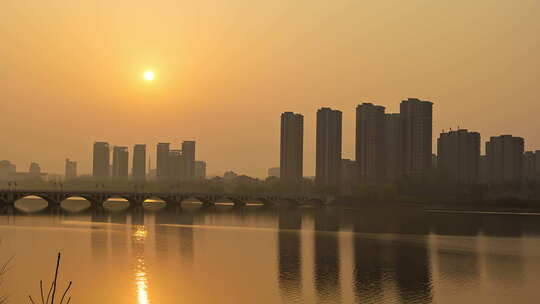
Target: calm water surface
{"x":269,"y":255}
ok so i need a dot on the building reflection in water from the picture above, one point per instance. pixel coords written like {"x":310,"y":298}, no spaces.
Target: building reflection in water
{"x":161,"y":233}
{"x":372,"y":258}
{"x":99,"y":234}
{"x":185,"y":235}
{"x":290,"y":256}
{"x":413,"y":272}
{"x":457,"y":251}
{"x":368,"y":268}
{"x":118,"y":235}
{"x":327,"y":274}
{"x":138,"y":239}
{"x":413,"y":275}
{"x":503,"y":249}
{"x":381,"y":259}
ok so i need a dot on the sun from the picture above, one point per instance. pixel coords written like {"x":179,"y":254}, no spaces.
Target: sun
{"x":149,"y":75}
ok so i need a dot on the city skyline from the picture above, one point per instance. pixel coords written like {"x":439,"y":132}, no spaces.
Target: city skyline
{"x":389,"y":142}
{"x":277,"y":57}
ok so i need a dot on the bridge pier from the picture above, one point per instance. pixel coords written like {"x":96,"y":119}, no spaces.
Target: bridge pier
{"x":207,"y":201}
{"x":53,"y":207}
{"x":173,"y":204}
{"x":96,"y":200}
{"x":266,"y":201}
{"x":238,"y":203}
{"x":7,"y":209}
{"x":173,"y":201}
{"x":208,"y":204}
{"x":135,"y":204}
{"x":289,"y":202}
{"x":9,"y":198}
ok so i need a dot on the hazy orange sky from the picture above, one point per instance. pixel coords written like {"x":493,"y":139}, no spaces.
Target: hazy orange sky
{"x":71,"y":72}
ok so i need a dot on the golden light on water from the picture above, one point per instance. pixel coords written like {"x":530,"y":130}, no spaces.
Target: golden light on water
{"x":141,"y":281}
{"x":140,"y":233}
{"x":141,"y":276}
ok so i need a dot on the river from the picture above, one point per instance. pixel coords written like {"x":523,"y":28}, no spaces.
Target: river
{"x":258,"y":254}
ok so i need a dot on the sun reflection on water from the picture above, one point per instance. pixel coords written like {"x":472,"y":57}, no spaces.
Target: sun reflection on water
{"x":141,"y":277}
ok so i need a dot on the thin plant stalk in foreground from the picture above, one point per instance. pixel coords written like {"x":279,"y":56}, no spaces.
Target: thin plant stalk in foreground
{"x":52,"y":290}
{"x":3,"y":269}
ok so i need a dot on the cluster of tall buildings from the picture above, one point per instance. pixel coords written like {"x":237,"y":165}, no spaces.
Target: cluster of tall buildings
{"x":393,"y":145}
{"x":387,"y":145}
{"x":172,"y":165}
{"x":175,"y":165}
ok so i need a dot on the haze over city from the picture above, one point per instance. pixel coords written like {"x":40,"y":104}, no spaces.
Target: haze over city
{"x":72,"y":73}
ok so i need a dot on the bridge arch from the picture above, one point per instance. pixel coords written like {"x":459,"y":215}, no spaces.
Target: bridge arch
{"x":31,"y":203}
{"x":76,"y":203}
{"x":154,"y":203}
{"x":265,"y":201}
{"x":203,"y":200}
{"x":116,"y":203}
{"x":75,"y":196}
{"x":230,"y":200}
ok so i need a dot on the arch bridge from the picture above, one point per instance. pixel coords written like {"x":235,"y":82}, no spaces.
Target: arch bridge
{"x":136,"y":199}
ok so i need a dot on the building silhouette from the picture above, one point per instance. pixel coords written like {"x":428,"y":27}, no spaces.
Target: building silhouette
{"x":505,"y":159}
{"x":370,"y":143}
{"x":531,"y":166}
{"x":70,"y":170}
{"x":392,"y":147}
{"x":120,"y":163}
{"x":101,"y":161}
{"x":139,"y":164}
{"x":416,"y":135}
{"x":188,"y":154}
{"x":200,"y":170}
{"x":7,"y":170}
{"x":434,"y":161}
{"x":34,"y":168}
{"x":349,"y":176}
{"x":328,"y":143}
{"x":292,"y":146}
{"x":162,"y":162}
{"x":484,"y":170}
{"x":176,"y":165}
{"x":274,"y":172}
{"x":34,"y":173}
{"x":459,"y":155}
